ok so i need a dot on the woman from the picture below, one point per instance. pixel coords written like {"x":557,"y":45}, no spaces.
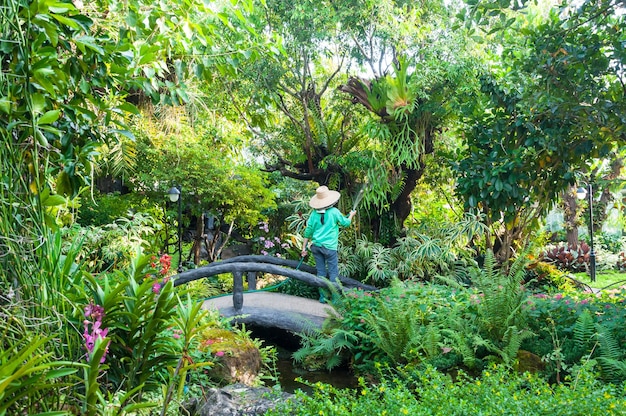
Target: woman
{"x":323,"y":231}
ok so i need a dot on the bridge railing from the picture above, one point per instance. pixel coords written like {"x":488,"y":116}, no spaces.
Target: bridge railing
{"x":251,"y":265}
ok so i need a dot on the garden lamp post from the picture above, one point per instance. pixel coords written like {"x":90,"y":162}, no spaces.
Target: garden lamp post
{"x":175,"y":196}
{"x":581,"y":193}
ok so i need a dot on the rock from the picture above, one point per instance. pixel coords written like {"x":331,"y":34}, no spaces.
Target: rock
{"x":235,"y":400}
{"x":237,"y":359}
{"x":527,"y":361}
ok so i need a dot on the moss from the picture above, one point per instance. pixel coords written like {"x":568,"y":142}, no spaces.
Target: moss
{"x":215,"y":340}
{"x":238,"y":358}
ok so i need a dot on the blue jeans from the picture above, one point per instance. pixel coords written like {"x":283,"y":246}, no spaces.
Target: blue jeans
{"x":326,"y":262}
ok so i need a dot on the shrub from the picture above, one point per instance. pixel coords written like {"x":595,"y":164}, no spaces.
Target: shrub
{"x":545,"y":277}
{"x":574,"y":258}
{"x":569,"y":328}
{"x":612,"y":242}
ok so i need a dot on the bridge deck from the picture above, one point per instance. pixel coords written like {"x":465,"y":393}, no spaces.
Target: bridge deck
{"x":287,"y":312}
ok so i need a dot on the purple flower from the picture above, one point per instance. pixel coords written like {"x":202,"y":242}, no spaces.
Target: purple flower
{"x":94,"y":311}
{"x":91,"y":335}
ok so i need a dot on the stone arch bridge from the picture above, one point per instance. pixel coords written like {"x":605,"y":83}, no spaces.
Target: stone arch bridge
{"x":291,"y":313}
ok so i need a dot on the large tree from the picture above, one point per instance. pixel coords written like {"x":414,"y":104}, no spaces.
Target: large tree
{"x":388,"y":57}
{"x":551,"y":104}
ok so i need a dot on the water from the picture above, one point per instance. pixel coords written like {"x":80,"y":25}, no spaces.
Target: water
{"x":288,"y":371}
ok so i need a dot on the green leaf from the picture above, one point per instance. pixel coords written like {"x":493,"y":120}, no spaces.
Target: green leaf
{"x":49,"y":117}
{"x":67,"y":21}
{"x":41,"y":139}
{"x":129,"y":108}
{"x":53,"y":200}
{"x":38,"y":103}
{"x":5,"y":105}
{"x":62,"y":372}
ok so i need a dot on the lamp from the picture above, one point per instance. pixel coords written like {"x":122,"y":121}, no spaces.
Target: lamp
{"x":174,"y":193}
{"x":581,"y":193}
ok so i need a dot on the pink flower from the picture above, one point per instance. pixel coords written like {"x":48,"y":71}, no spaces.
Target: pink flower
{"x":91,"y":335}
{"x":94,"y":311}
{"x":558,"y":296}
{"x":156,"y":287}
{"x":219,"y":353}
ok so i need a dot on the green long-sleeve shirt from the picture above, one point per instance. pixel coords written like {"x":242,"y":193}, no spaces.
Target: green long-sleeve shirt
{"x":325,"y":235}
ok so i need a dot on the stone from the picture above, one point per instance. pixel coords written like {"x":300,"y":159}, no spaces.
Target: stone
{"x":237,"y":359}
{"x":527,"y":361}
{"x":235,"y":400}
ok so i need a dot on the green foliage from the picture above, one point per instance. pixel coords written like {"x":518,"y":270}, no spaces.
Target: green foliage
{"x":498,"y":391}
{"x":425,"y":254}
{"x":138,"y":315}
{"x":55,"y":62}
{"x":29,"y":376}
{"x":190,"y":321}
{"x":586,"y":328}
{"x":296,"y":287}
{"x":612,"y":242}
{"x":199,"y":157}
{"x":525,"y":128}
{"x":599,"y":342}
{"x":404,"y":329}
{"x":500,"y":302}
{"x":413,"y":323}
{"x":324,"y":348}
{"x":112,"y":245}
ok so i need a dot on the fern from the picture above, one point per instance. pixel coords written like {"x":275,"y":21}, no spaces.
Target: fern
{"x":599,"y":342}
{"x":502,"y":300}
{"x":513,"y":339}
{"x":462,"y":343}
{"x":324,"y":347}
{"x":610,"y":355}
{"x":584,"y":330}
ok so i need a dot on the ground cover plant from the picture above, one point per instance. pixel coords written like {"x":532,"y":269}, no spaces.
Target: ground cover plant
{"x":427,"y":391}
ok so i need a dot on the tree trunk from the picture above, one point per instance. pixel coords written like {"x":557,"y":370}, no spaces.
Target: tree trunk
{"x":571,"y":216}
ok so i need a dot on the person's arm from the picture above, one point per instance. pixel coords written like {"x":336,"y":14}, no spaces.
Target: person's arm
{"x":308,"y":234}
{"x":344,"y":220}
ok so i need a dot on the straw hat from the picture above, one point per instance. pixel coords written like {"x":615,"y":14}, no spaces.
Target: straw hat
{"x":324,"y":198}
